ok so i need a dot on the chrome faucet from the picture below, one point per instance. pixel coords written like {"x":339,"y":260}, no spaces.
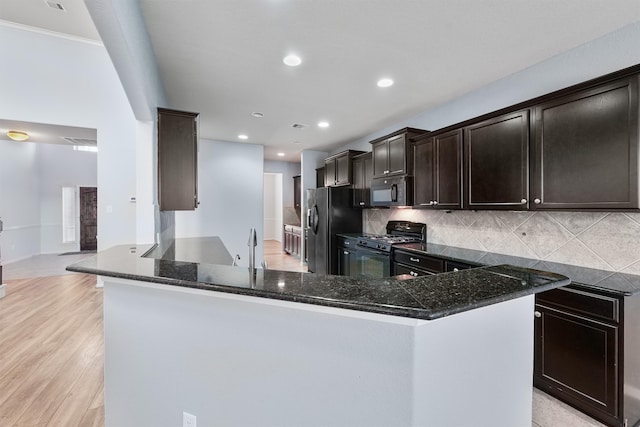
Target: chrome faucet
{"x":252,"y":243}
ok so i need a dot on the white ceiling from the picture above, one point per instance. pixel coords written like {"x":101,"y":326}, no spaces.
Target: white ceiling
{"x":223,"y":58}
{"x":48,"y":133}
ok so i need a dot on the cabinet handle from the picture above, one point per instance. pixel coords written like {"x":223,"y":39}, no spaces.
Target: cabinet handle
{"x":386,"y":172}
{"x":431,"y":203}
{"x":347,"y":243}
{"x":345,"y":252}
{"x":413,"y":273}
{"x":456,"y":269}
{"x":537,"y":201}
{"x":414,"y":259}
{"x":435,"y":202}
{"x":523,"y":201}
{"x":361,"y":203}
{"x":537,"y":314}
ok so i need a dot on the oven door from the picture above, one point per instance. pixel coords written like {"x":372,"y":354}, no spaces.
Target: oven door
{"x":371,"y":264}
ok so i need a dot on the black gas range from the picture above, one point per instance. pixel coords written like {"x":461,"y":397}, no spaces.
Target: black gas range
{"x":373,"y":252}
{"x":397,"y":232}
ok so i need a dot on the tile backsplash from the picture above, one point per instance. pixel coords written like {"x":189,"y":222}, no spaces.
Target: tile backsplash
{"x":602,"y":240}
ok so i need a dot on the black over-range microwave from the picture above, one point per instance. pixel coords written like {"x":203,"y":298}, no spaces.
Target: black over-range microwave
{"x":392,"y":191}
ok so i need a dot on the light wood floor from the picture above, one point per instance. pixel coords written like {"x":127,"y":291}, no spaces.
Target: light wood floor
{"x":51,"y":352}
{"x":277,"y":259}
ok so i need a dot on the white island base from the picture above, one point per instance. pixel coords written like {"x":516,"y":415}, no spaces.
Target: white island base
{"x":234,"y":360}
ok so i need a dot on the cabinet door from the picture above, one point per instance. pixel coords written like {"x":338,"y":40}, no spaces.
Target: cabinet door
{"x":343,"y":170}
{"x":358,"y":182}
{"x":330,"y":173}
{"x":297,"y":193}
{"x":177,"y":160}
{"x":586,"y":149}
{"x":367,"y":176}
{"x":497,"y":163}
{"x":448,"y":170}
{"x":576,"y":360}
{"x":380,"y":152}
{"x":397,"y":163}
{"x":345,"y":260}
{"x":423,"y":169}
{"x":320,"y":178}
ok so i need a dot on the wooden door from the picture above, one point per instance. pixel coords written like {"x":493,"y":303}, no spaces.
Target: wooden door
{"x":397,"y":155}
{"x":88,"y":218}
{"x":496,"y":170}
{"x":423,"y":170}
{"x":380,"y":153}
{"x":448,"y":170}
{"x":586,"y":149}
{"x":576,"y":360}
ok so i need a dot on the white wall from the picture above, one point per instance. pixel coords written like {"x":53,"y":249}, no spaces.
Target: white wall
{"x":19,"y":203}
{"x":67,"y":82}
{"x":230,"y":190}
{"x":60,"y":166}
{"x":273,"y":206}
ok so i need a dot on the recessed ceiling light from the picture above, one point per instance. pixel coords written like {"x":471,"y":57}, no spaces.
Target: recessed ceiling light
{"x":323,"y":124}
{"x":292,"y":60}
{"x":386,"y":82}
{"x":257,"y":114}
{"x":243,"y":136}
{"x":280,"y":154}
{"x":18,"y":135}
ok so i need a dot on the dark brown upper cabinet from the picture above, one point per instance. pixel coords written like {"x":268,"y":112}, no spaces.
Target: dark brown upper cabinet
{"x":297,"y":193}
{"x":362,"y":174}
{"x":392,"y":154}
{"x":585,"y":149}
{"x":337,"y":169}
{"x":177,"y":160}
{"x":496,"y":163}
{"x":437,"y":170}
{"x":320,"y":177}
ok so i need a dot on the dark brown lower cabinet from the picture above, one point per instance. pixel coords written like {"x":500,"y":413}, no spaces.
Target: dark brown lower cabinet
{"x":587,"y":352}
{"x":293,"y":240}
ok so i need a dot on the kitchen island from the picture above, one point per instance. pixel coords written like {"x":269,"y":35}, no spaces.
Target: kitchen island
{"x":236,"y":347}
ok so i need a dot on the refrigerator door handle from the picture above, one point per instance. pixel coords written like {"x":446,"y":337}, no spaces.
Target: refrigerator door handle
{"x":315,"y":219}
{"x":309,"y":218}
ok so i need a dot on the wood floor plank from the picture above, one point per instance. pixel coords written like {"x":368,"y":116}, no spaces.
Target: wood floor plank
{"x":51,"y":352}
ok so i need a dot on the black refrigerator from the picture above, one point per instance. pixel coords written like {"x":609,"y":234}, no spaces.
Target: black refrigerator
{"x":330,"y":211}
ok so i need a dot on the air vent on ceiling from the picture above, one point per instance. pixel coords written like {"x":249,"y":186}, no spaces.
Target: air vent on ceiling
{"x":298,"y":126}
{"x":55,"y":5}
{"x":79,"y":141}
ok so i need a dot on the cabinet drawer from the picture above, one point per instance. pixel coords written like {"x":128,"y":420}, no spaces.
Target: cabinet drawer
{"x":345,"y":242}
{"x":399,"y":269}
{"x":583,"y":303}
{"x":422,"y":262}
{"x":456,"y":266}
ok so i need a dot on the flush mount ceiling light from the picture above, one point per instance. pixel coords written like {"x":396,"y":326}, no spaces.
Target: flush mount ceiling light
{"x":18,"y":135}
{"x":243,"y":136}
{"x":323,"y":124}
{"x":292,"y":60}
{"x":257,"y":114}
{"x":385,"y":82}
{"x":280,"y":154}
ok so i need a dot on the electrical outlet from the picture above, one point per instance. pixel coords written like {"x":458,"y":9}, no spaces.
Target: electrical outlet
{"x":188,"y":420}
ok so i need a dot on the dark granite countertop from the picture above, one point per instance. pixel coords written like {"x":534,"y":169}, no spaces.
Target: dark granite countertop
{"x":426,"y":298}
{"x":608,"y":281}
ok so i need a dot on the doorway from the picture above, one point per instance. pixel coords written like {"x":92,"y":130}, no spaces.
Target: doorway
{"x":88,"y":218}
